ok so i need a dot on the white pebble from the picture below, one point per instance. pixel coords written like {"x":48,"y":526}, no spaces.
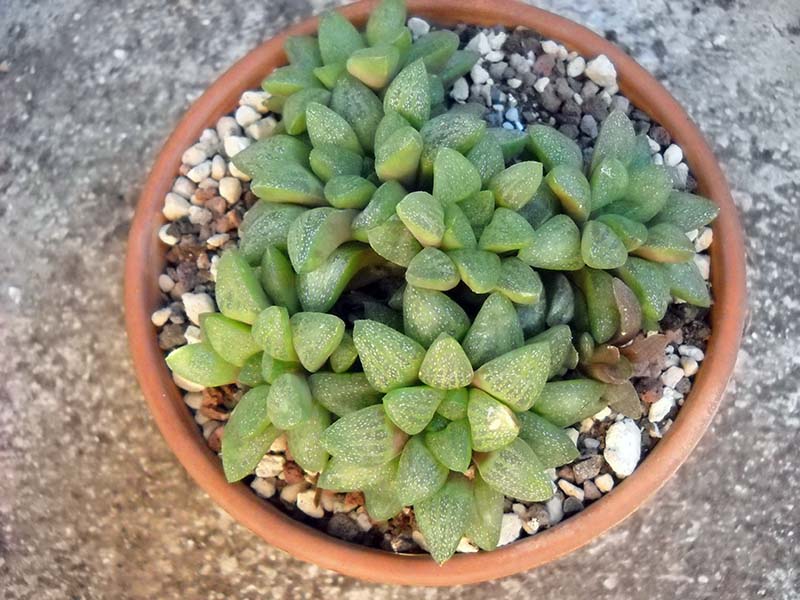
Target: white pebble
{"x":550,"y":47}
{"x":518,"y":508}
{"x":363,"y":521}
{"x":591,"y":443}
{"x":247,"y":115}
{"x":480,"y":43}
{"x":419,"y":539}
{"x":184,"y":187}
{"x":237,"y":173}
{"x":328,"y":500}
{"x":200,"y":172}
{"x":601,"y":70}
{"x":263,"y":487}
{"x":660,"y":408}
{"x":690,"y":351}
{"x":290,"y":492}
{"x":195,"y":155}
{"x":658,"y":159}
{"x":602,"y":415}
{"x":510,"y":528}
{"x":280,"y":444}
{"x":654,"y":145}
{"x":673,"y":155}
{"x":573,"y":434}
{"x":227,"y":127}
{"x":577,"y":98}
{"x":175,"y":206}
{"x":541,"y":84}
{"x":418,"y":27}
{"x":196,"y":304}
{"x":495,"y":56}
{"x":234,"y":144}
{"x":193,"y":400}
{"x":218,"y":240}
{"x":703,"y":241}
{"x":672,"y":376}
{"x":514,"y":83}
{"x":555,"y":509}
{"x":466,"y":546}
{"x":689,"y":366}
{"x":611,"y":89}
{"x":219,"y":166}
{"x":200,"y":418}
{"x":188,"y":386}
{"x":576,"y":67}
{"x":230,"y":188}
{"x":262,"y":128}
{"x":165,"y":283}
{"x":161,"y":316}
{"x":496,"y":40}
{"x":306,"y":503}
{"x":256,"y":99}
{"x":460,"y":91}
{"x":570,"y":489}
{"x":199,"y":215}
{"x":169,"y":240}
{"x":604,"y":483}
{"x":703,"y":263}
{"x":479,"y":74}
{"x":192,"y":335}
{"x":623,"y":447}
{"x":671,"y":360}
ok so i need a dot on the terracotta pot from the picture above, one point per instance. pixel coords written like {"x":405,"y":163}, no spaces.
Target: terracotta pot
{"x":146,"y":258}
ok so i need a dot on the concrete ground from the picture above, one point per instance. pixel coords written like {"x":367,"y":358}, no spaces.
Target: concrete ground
{"x":93,"y":504}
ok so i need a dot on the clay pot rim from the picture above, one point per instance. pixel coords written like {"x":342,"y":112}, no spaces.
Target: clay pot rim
{"x":146,"y":257}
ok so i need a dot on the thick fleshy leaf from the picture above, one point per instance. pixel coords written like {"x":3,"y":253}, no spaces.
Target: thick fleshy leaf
{"x":385,"y":21}
{"x":443,"y":517}
{"x":377,"y":311}
{"x":345,"y":354}
{"x":304,"y":440}
{"x":409,"y":94}
{"x":517,"y":377}
{"x":515,"y":186}
{"x":648,"y":189}
{"x":492,"y":424}
{"x":434,"y":48}
{"x":364,"y":437}
{"x":239,"y":295}
{"x":487,"y":156}
{"x":338,"y":38}
{"x":393,"y":241}
{"x":556,"y":245}
{"x":240,"y":456}
{"x":458,"y":232}
{"x":479,"y":210}
{"x":325,"y":126}
{"x":342,"y":393}
{"x":264,"y":225}
{"x":560,"y":299}
{"x":359,"y":106}
{"x":553,"y":148}
{"x":454,"y":177}
{"x":686,"y":211}
{"x":199,"y":364}
{"x":288,"y":80}
{"x":428,"y":314}
{"x":511,"y":141}
{"x":487,"y":515}
{"x":632,"y":233}
{"x":250,"y":373}
{"x":380,"y":208}
{"x":507,"y":231}
{"x":289,"y":401}
{"x":272,"y":368}
{"x":374,"y":66}
{"x":278,"y":279}
{"x":459,"y":131}
{"x":666,"y":243}
{"x":601,"y":248}
{"x":319,"y":290}
{"x":561,"y":350}
{"x":315,"y":336}
{"x":316,"y":234}
{"x":260,"y":157}
{"x":390,"y":359}
{"x":272,"y":331}
{"x":302,"y":50}
{"x":446,"y":366}
{"x":616,"y":139}
{"x":452,"y":445}
{"x":423,"y":215}
{"x":518,"y":282}
{"x":454,"y":405}
{"x":294,"y":111}
{"x":349,"y":191}
{"x":412,"y":408}
{"x":686,"y":282}
{"x":343,"y":476}
{"x":550,"y":443}
{"x":432,"y":269}
{"x":516,"y":471}
{"x":624,"y":399}
{"x":601,"y":304}
{"x":381,"y":500}
{"x":290,"y":183}
{"x":419,"y":474}
{"x":544,"y":206}
{"x":249,"y":417}
{"x":329,"y":75}
{"x":478,"y":269}
{"x":608,"y":182}
{"x":495,"y":331}
{"x":397,"y":158}
{"x":648,"y":282}
{"x":230,"y":339}
{"x":328,"y":161}
{"x":388,"y":125}
{"x":572,"y":189}
{"x":566,"y":402}
{"x":630,"y":312}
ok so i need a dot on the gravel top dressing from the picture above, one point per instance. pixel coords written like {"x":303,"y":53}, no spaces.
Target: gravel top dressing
{"x":520,"y":80}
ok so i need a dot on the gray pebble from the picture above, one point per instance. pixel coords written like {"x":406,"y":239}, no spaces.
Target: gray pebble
{"x":497,"y":69}
{"x":620,"y":103}
{"x":572,"y":505}
{"x":550,"y":100}
{"x":343,"y":527}
{"x":589,"y":126}
{"x":596,"y":107}
{"x":571,"y":131}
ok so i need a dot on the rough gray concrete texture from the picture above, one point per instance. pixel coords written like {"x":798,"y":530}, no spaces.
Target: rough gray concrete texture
{"x":93,"y":504}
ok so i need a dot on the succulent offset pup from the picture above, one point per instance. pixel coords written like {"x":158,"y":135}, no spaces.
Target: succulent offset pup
{"x":422,"y":303}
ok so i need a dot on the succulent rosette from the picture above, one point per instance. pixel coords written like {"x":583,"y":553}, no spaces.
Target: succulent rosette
{"x":423,"y":303}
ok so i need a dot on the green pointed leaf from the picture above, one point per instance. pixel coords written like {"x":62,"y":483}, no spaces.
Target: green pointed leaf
{"x":397,"y":158}
{"x":647,"y":281}
{"x":290,"y":183}
{"x":289,"y":401}
{"x":616,"y":139}
{"x":686,"y":211}
{"x":250,"y":374}
{"x":238,"y":293}
{"x":511,"y":141}
{"x":260,"y":157}
{"x":597,"y":288}
{"x":648,"y":189}
{"x":446,"y":366}
{"x":458,"y":131}
{"x":272,"y":332}
{"x":434,"y":48}
{"x":302,"y":50}
{"x":360,"y":107}
{"x":411,"y":408}
{"x":459,"y":64}
{"x":390,"y":359}
{"x":328,"y":161}
{"x":518,"y":282}
{"x":559,"y":339}
{"x":272,"y":368}
{"x":285,"y":81}
{"x":487,"y":156}
{"x":432,"y":269}
{"x":560,"y":299}
{"x":544,"y":206}
{"x":454,"y":405}
{"x":230,"y":339}
{"x":243,"y":449}
{"x":343,"y":476}
{"x":454,"y":177}
{"x":264,"y":225}
{"x":479,"y":270}
{"x":532,"y":316}
{"x":507,"y":231}
{"x":329,"y":75}
{"x":686,"y":282}
{"x":385,"y":21}
{"x":492,"y":424}
{"x":349,"y":191}
{"x":601,"y":248}
{"x":553,"y":148}
{"x":428,"y":314}
{"x":294,"y":110}
{"x":338,"y":38}
{"x":517,"y":377}
{"x":666,"y":243}
{"x":342,"y":393}
{"x":316,"y":336}
{"x":388,"y":125}
{"x":495,"y":331}
{"x":419,"y":474}
{"x":319,"y":290}
{"x":381,"y":207}
{"x":632,"y":233}
{"x":381,"y":500}
{"x":278,"y":279}
{"x":443,"y":517}
{"x":515,"y":186}
{"x":326,"y":126}
{"x":516,"y":472}
{"x":566,"y":402}
{"x":487,"y":515}
{"x":304,"y":440}
{"x":393,"y":241}
{"x":345,"y":354}
{"x":451,"y":446}
{"x":556,"y":245}
{"x":409,"y":94}
{"x":315,"y":234}
{"x":479,"y":210}
{"x":249,"y":417}
{"x":374,"y":66}
{"x":423,"y":215}
{"x":377,"y":311}
{"x":364,"y":437}
{"x":609,"y":182}
{"x":550,"y":443}
{"x":199,"y":364}
{"x":572,"y":189}
{"x":458,"y":231}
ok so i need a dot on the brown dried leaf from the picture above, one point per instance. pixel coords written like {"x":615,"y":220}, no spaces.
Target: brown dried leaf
{"x":622,"y":398}
{"x":630,"y":312}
